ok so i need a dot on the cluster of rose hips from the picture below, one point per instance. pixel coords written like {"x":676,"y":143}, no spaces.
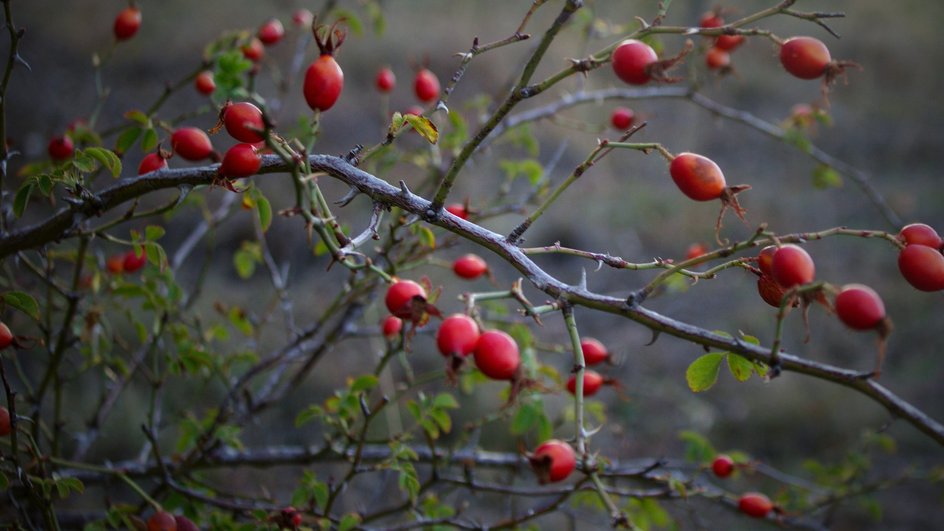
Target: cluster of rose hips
{"x":753,"y":504}
{"x":718,"y":56}
{"x":128,"y":262}
{"x":165,"y":521}
{"x":426,"y":86}
{"x":6,"y":339}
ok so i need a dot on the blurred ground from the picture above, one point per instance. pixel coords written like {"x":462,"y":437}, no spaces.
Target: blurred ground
{"x":888,"y":121}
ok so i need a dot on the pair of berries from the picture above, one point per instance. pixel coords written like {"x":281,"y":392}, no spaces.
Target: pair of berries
{"x":921,"y":261}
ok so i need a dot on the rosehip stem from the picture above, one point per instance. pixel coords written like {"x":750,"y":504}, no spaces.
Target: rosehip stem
{"x":645,"y":147}
{"x":579,"y":368}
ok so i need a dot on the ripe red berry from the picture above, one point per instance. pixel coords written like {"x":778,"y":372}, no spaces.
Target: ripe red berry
{"x":133,"y":262}
{"x":805,"y":57}
{"x":859,"y":307}
{"x":922,"y":267}
{"x":115,"y":264}
{"x":61,"y":148}
{"x":711,"y":19}
{"x":241,"y":160}
{"x":469,"y":266}
{"x":458,"y":210}
{"x":622,"y":118}
{"x":722,"y":466}
{"x":191,"y":143}
{"x":496,"y":355}
{"x":695,"y":250}
{"x":185,"y":524}
{"x":127,"y":23}
{"x":553,"y":461}
{"x":253,"y":50}
{"x":755,"y":504}
{"x":457,"y":335}
{"x":302,"y":18}
{"x":4,"y":422}
{"x":770,"y":291}
{"x":631,"y":61}
{"x":323,"y":83}
{"x":765,"y":259}
{"x":594,"y":352}
{"x":400,"y":296}
{"x":391,"y":327}
{"x":205,"y":83}
{"x":385,"y":80}
{"x":426,"y":86}
{"x":271,"y":32}
{"x":792,"y":266}
{"x":697,"y":177}
{"x":729,"y":42}
{"x":151,"y":162}
{"x":162,"y":521}
{"x":717,"y":58}
{"x":6,"y":336}
{"x":243,"y":122}
{"x":296,"y":519}
{"x":592,"y":381}
{"x":920,"y":234}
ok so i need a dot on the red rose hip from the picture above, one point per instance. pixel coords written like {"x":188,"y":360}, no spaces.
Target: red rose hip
{"x":697,"y":177}
{"x":191,"y":143}
{"x":271,"y":32}
{"x":722,"y":466}
{"x":805,"y":57}
{"x":457,"y":335}
{"x":6,"y":336}
{"x":241,"y":160}
{"x":470,"y":266}
{"x":243,"y":122}
{"x":151,"y":162}
{"x":127,"y":23}
{"x":922,"y":267}
{"x":60,"y":148}
{"x":426,"y":86}
{"x":631,"y":61}
{"x":553,"y":461}
{"x":496,"y":355}
{"x":204,"y":82}
{"x":400,"y":296}
{"x":792,"y":266}
{"x":594,"y":352}
{"x":592,"y":381}
{"x":385,"y":80}
{"x":859,"y":307}
{"x":622,"y":118}
{"x":755,"y":504}
{"x":920,"y":234}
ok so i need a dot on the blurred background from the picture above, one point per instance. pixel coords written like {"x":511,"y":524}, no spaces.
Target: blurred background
{"x":887,"y":121}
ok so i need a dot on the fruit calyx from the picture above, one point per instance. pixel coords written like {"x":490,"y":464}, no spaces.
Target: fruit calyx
{"x":327,"y":38}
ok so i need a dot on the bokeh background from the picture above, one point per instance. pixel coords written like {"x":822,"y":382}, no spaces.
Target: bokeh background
{"x":888,"y":121}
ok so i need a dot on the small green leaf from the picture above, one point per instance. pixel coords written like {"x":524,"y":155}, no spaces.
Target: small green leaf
{"x":426,"y":236}
{"x":703,"y":372}
{"x":364,"y":383}
{"x":23,"y":302}
{"x":741,"y":367}
{"x":424,"y":127}
{"x":106,"y":158}
{"x":351,"y":19}
{"x":263,"y":209}
{"x":320,"y":493}
{"x":127,"y":139}
{"x":137,"y":117}
{"x":308,"y":414}
{"x":825,"y":177}
{"x":154,"y":232}
{"x":748,"y":338}
{"x":349,"y":521}
{"x":149,"y":142}
{"x":445,"y":401}
{"x":22,"y":198}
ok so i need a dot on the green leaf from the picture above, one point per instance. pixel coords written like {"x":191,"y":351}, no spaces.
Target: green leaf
{"x":107,"y":158}
{"x":83,"y":162}
{"x":424,"y":127}
{"x":351,"y":19}
{"x":426,"y":236}
{"x":349,"y":521}
{"x":441,"y":418}
{"x":703,"y":372}
{"x":697,"y":448}
{"x":741,"y":367}
{"x":748,"y":338}
{"x":445,"y":401}
{"x":263,"y":209}
{"x":23,"y":302}
{"x":149,"y":142}
{"x":308,"y":414}
{"x":156,"y":255}
{"x":364,"y":383}
{"x":137,"y":117}
{"x":320,"y":493}
{"x":825,"y":177}
{"x":127,"y":139}
{"x":22,"y":198}
{"x":154,"y":232}
{"x":796,"y":137}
